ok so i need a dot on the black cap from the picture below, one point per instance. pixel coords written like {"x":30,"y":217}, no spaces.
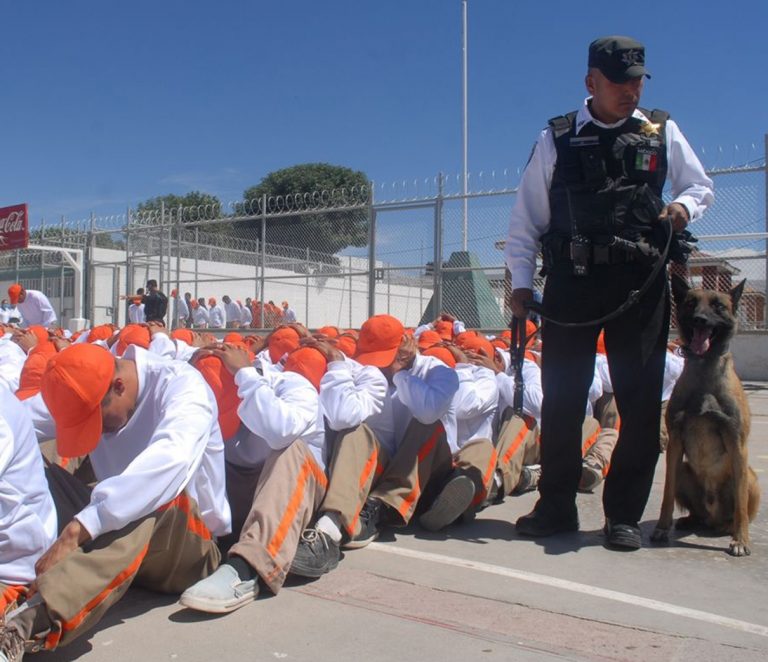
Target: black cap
{"x":618,"y":58}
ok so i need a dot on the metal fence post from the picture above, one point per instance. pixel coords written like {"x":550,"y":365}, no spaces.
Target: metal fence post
{"x":61,"y":274}
{"x":197,"y":257}
{"x":371,"y":254}
{"x":179,"y":230}
{"x":437,"y":296}
{"x":161,"y":232}
{"x":263,"y":258}
{"x":350,"y":292}
{"x":765,"y":191}
{"x":128,"y":262}
{"x":306,"y":292}
{"x":89,"y":273}
{"x":42,"y":256}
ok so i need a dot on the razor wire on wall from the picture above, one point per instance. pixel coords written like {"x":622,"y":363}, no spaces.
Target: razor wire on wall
{"x":337,"y":257}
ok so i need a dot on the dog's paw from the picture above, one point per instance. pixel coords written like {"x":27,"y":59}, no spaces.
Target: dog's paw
{"x":660,"y":535}
{"x":738,"y":548}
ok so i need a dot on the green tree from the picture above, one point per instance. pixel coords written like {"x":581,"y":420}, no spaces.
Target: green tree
{"x":336,"y":194}
{"x":196,"y":206}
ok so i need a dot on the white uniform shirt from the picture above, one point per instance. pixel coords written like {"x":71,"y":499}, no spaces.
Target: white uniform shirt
{"x":458,"y":327}
{"x":425,"y":392}
{"x":171,"y":443}
{"x":350,"y":393}
{"x":232,"y":312}
{"x":475,"y":403}
{"x":12,"y":359}
{"x":200,"y":317}
{"x":28,"y":524}
{"x":690,"y":187}
{"x":289,"y":316}
{"x":277,"y":408}
{"x":532,"y":393}
{"x":601,"y":365}
{"x":217,"y":317}
{"x":673,"y":368}
{"x":246,"y":316}
{"x":7,"y":314}
{"x":36,"y":309}
{"x":136,"y":313}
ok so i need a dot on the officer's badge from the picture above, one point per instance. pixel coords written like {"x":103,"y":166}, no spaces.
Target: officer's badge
{"x":650,"y":129}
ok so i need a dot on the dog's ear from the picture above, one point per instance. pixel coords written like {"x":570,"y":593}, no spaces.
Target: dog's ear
{"x":679,"y":289}
{"x":736,"y":293}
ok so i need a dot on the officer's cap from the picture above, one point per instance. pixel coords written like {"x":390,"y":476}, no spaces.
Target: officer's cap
{"x":618,"y":58}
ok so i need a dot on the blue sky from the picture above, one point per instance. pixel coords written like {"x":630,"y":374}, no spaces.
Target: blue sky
{"x":107,"y":104}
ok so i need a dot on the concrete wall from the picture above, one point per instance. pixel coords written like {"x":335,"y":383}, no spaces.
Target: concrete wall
{"x":750,"y":355}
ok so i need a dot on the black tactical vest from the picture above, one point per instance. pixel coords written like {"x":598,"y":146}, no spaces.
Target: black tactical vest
{"x":607,"y":182}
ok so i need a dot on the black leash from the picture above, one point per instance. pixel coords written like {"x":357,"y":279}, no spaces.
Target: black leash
{"x":633,"y":297}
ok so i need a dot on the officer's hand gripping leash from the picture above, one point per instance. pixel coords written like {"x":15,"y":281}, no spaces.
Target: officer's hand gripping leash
{"x":517,"y":350}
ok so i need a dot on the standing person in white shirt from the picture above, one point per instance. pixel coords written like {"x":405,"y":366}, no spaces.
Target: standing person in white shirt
{"x":27,"y":514}
{"x":136,"y":308}
{"x":289,"y":314}
{"x":231,"y":312}
{"x":218,"y":317}
{"x":180,"y":310}
{"x":596,"y":175}
{"x":151,"y":429}
{"x":34,"y":306}
{"x":201,"y":318}
{"x":246,"y":316}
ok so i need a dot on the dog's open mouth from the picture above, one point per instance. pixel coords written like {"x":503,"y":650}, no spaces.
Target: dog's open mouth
{"x":700,"y":341}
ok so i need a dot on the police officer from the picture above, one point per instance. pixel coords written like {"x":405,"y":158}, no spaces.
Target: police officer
{"x":590,"y":198}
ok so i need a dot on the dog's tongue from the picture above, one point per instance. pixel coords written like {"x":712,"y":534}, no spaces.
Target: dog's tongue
{"x":700,"y":342}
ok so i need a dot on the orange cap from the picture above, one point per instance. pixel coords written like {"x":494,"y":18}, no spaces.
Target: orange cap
{"x":429,"y":338}
{"x":183,"y":334}
{"x":235,"y":338}
{"x":222,"y":383}
{"x":212,"y":301}
{"x":308,"y":362}
{"x":133,"y":334}
{"x":34,"y":367}
{"x":174,"y":293}
{"x":330,"y":331}
{"x":347,"y":345}
{"x":352,"y":332}
{"x":13,"y":293}
{"x":507,"y":334}
{"x":74,"y":384}
{"x":441,"y":353}
{"x":445,"y":329}
{"x":40,"y":332}
{"x":283,"y":340}
{"x":601,"y":343}
{"x":475,"y":343}
{"x":379,"y":340}
{"x":500,"y":343}
{"x":101,"y":332}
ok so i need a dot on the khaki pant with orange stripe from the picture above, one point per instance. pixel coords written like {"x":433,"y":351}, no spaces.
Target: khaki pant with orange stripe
{"x":607,"y":418}
{"x":166,"y":551}
{"x":358,"y":460}
{"x":10,"y":596}
{"x":424,"y":456}
{"x":274,"y":505}
{"x":517,"y":444}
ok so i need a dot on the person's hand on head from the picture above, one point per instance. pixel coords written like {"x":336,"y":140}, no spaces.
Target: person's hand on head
{"x":475,"y":358}
{"x":406,"y":354}
{"x":455,"y":351}
{"x":323,"y":345}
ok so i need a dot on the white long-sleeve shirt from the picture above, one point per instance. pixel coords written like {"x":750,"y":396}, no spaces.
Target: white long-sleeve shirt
{"x":351,"y":393}
{"x":532,"y":393}
{"x":136,"y":313}
{"x":425,"y":392}
{"x":12,"y":359}
{"x":217,"y":317}
{"x":232,"y":312}
{"x":475,"y":404}
{"x":246,"y":316}
{"x":171,"y":443}
{"x":182,"y":309}
{"x":28,"y":524}
{"x":201,"y":317}
{"x":530,"y":219}
{"x":673,"y":368}
{"x":36,"y":309}
{"x":277,"y":408}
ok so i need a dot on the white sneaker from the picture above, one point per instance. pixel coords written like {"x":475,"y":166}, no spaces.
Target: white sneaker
{"x":221,"y":592}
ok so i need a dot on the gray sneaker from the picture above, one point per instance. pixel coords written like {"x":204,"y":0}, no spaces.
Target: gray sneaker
{"x":529,"y":479}
{"x":221,"y":592}
{"x":591,"y":477}
{"x":454,"y":499}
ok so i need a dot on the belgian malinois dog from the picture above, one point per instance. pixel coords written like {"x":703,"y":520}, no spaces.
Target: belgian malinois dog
{"x":708,"y":421}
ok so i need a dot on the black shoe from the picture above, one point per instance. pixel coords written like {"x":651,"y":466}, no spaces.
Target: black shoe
{"x":454,"y":499}
{"x":622,"y":536}
{"x":316,"y":554}
{"x":547,"y":520}
{"x":495,"y":491}
{"x":370,"y":515}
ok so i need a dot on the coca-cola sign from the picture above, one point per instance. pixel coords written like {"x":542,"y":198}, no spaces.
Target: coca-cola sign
{"x":14,"y":227}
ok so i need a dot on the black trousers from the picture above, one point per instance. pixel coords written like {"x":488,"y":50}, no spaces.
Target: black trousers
{"x":636,"y":345}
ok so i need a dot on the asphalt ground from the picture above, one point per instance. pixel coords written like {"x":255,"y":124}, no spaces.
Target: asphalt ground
{"x":481,"y":592}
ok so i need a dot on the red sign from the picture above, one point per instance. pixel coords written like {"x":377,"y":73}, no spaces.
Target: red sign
{"x":14,"y":227}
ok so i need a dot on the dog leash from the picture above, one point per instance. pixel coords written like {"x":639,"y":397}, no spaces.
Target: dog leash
{"x":633,"y":297}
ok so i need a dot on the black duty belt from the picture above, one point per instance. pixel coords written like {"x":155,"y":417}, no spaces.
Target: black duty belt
{"x":599,"y":254}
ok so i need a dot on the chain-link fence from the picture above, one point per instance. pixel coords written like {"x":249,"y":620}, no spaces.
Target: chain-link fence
{"x":337,"y":257}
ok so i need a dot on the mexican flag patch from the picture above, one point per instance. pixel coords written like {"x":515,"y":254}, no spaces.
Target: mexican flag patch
{"x":645,"y":161}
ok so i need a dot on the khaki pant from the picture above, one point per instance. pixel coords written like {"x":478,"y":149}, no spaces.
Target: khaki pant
{"x":358,"y":460}
{"x":424,"y":456}
{"x":517,"y":444}
{"x":272,"y":507}
{"x":166,"y":551}
{"x":10,"y":596}
{"x":599,"y":452}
